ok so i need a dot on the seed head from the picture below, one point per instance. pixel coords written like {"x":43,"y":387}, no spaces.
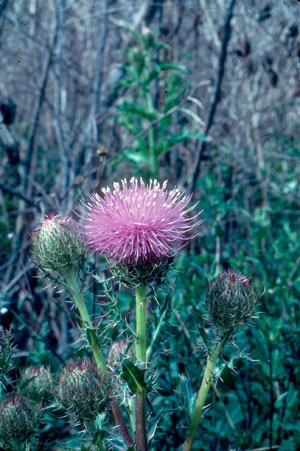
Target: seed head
{"x":230,"y":300}
{"x":58,"y":245}
{"x":81,"y":390}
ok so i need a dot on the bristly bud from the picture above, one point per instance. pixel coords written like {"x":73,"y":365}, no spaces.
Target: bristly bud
{"x":37,"y":383}
{"x":134,"y":275}
{"x":81,"y":390}
{"x":6,"y":351}
{"x":230,"y":300}
{"x":119,"y":351}
{"x":19,"y":420}
{"x":58,"y":245}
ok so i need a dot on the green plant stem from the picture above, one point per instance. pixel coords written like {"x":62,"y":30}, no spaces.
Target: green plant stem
{"x":140,"y":344}
{"x":140,"y":347}
{"x":90,"y":330}
{"x":97,"y":353}
{"x":203,"y":391}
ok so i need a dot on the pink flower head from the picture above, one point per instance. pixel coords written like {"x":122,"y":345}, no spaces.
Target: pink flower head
{"x":137,"y":222}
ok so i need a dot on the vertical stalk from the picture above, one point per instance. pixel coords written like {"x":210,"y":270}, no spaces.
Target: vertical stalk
{"x":90,"y":331}
{"x":203,"y":391}
{"x":97,"y":353}
{"x":140,"y":347}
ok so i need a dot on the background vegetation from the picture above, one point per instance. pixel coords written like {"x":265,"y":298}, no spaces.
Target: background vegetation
{"x":206,"y":95}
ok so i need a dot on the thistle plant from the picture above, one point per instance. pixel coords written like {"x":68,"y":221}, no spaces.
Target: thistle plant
{"x":82,"y":390}
{"x":60,"y":252}
{"x":139,"y":228}
{"x":230,"y":302}
{"x":19,"y":420}
{"x":59,"y":248}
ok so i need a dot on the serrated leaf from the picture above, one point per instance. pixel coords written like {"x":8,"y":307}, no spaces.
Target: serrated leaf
{"x":134,"y":376}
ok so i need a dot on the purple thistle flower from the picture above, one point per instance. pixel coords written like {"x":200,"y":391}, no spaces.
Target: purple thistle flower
{"x":138,"y":223}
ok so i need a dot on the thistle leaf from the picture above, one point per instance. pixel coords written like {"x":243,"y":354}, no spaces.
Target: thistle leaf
{"x":134,"y":376}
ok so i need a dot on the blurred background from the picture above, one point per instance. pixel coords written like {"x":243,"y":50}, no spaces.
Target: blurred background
{"x":205,"y":94}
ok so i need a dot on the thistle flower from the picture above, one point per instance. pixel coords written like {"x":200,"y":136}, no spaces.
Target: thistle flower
{"x":18,"y":420}
{"x":230,"y":300}
{"x":81,"y":390}
{"x":138,"y":224}
{"x":58,"y":245}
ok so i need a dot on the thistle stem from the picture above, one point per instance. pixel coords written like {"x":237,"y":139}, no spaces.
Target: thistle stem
{"x":90,"y":331}
{"x":120,"y":423}
{"x":203,"y":391}
{"x":97,"y":353}
{"x":140,"y":347}
{"x":140,"y":344}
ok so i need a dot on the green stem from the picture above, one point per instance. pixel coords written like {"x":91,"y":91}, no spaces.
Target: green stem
{"x":203,"y":391}
{"x":140,"y":344}
{"x":90,"y":330}
{"x":140,"y":347}
{"x":97,"y":353}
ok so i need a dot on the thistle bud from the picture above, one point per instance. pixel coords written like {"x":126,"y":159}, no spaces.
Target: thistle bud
{"x":18,"y":420}
{"x":37,"y":382}
{"x":119,"y":351}
{"x":81,"y":390}
{"x":230,"y":300}
{"x":58,"y":245}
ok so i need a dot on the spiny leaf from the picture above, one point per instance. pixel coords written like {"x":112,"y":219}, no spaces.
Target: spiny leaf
{"x":134,"y":376}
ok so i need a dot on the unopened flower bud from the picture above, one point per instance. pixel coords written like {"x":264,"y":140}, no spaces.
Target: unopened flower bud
{"x":230,"y":300}
{"x":81,"y":390}
{"x":18,"y":420}
{"x":58,"y":245}
{"x":119,"y":351}
{"x":37,"y":383}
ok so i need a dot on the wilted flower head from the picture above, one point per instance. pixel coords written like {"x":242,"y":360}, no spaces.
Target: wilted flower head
{"x":81,"y":390}
{"x":138,"y":223}
{"x":58,"y":245}
{"x":230,"y":299}
{"x":18,"y":420}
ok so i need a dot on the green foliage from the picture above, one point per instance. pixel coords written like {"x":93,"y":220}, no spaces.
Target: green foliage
{"x":149,"y":121}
